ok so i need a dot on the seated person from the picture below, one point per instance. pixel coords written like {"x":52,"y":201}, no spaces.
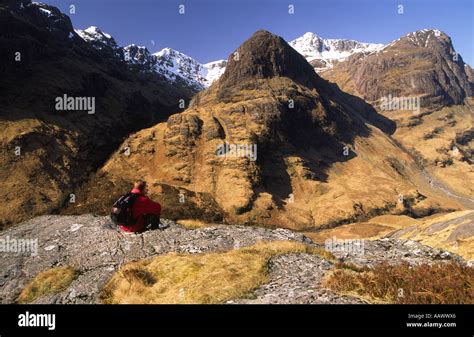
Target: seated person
{"x":144,"y":210}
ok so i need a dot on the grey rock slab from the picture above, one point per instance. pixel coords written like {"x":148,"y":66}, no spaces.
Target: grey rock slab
{"x":96,"y":249}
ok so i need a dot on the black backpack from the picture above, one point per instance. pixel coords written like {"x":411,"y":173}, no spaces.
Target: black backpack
{"x":121,"y":213}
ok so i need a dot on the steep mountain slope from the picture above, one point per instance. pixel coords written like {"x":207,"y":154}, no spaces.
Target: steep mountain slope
{"x":443,"y":140}
{"x":47,"y":149}
{"x":271,"y":143}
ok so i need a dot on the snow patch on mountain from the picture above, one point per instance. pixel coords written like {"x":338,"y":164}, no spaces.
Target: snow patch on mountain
{"x":46,"y":12}
{"x":174,"y":64}
{"x":213,"y":70}
{"x":134,"y":54}
{"x":423,"y":37}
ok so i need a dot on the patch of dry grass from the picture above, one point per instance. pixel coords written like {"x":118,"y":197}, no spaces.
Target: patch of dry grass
{"x":47,"y":282}
{"x":359,"y":230}
{"x":447,"y":283}
{"x":201,"y":278}
{"x":194,"y":223}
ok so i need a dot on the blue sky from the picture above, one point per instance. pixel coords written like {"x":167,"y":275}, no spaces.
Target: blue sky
{"x":212,"y":29}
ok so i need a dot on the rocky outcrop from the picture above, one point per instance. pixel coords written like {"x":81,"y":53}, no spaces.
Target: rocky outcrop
{"x":470,"y":74}
{"x":96,"y":250}
{"x":296,"y":279}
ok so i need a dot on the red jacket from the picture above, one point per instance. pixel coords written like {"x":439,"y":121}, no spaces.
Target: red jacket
{"x":143,"y":205}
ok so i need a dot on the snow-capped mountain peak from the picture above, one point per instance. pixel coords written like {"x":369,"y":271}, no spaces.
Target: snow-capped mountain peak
{"x":100,"y":40}
{"x":174,"y":64}
{"x":325,"y":51}
{"x":94,"y":34}
{"x":425,"y":38}
{"x":169,"y":52}
{"x":310,"y":38}
{"x":93,"y":30}
{"x":309,"y":45}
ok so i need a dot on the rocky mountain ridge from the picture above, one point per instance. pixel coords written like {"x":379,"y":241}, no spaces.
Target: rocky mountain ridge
{"x":322,"y":54}
{"x":173,"y":65}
